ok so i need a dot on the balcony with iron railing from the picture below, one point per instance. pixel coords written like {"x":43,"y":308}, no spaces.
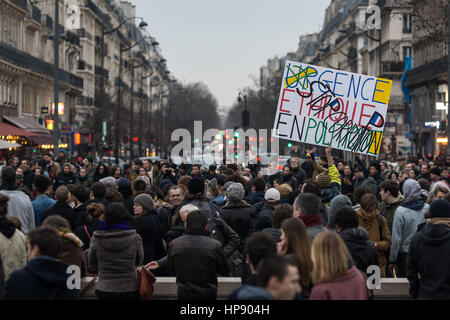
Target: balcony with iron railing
{"x":20,"y":3}
{"x":36,"y":14}
{"x":392,"y":67}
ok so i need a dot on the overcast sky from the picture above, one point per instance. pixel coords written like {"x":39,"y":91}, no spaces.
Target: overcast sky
{"x":224,"y":43}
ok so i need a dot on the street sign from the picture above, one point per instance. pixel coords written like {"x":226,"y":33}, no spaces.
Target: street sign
{"x":104,"y":129}
{"x":44,"y":110}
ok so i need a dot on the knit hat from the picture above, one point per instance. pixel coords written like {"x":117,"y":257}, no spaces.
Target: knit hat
{"x":227,"y":184}
{"x":285,"y":190}
{"x":145,"y":201}
{"x":123,"y":183}
{"x":109,"y":182}
{"x":440,"y":209}
{"x":324,"y":180}
{"x":196,"y":186}
{"x":235,"y":192}
{"x":337,"y":203}
{"x":272,"y":194}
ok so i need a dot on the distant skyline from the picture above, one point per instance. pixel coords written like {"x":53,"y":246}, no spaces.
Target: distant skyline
{"x":224,"y":44}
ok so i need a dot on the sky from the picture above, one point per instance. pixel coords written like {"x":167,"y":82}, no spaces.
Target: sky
{"x":224,"y":43}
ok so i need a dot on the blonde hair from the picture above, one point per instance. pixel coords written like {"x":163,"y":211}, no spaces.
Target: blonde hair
{"x":284,"y":190}
{"x":330,"y":257}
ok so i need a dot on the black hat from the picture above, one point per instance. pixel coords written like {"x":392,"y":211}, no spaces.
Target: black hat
{"x":212,"y":167}
{"x":196,"y":186}
{"x":440,"y":209}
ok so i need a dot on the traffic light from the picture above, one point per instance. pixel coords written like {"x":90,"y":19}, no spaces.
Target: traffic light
{"x":236,"y":134}
{"x":289,"y":145}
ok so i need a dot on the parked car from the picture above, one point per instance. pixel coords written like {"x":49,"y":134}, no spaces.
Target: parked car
{"x":110,"y":161}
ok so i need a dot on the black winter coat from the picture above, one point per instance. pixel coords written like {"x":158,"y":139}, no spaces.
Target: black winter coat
{"x":165,"y":217}
{"x":82,"y":216}
{"x":239,"y":216}
{"x":86,"y":232}
{"x":196,"y":277}
{"x":362,"y":250}
{"x":300,"y":174}
{"x":62,"y":209}
{"x":148,"y":227}
{"x":43,"y":278}
{"x":264,"y":216}
{"x":429,"y":257}
{"x":63,"y":179}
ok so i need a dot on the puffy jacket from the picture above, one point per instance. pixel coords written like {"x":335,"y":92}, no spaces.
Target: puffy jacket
{"x":43,"y":278}
{"x":114,"y":256}
{"x":429,"y":257}
{"x":196,"y":277}
{"x":239,"y":216}
{"x":360,"y":247}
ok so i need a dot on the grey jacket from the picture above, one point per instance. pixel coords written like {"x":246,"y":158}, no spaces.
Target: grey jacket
{"x":20,"y":206}
{"x":314,"y":231}
{"x":114,"y":256}
{"x":404,"y":227}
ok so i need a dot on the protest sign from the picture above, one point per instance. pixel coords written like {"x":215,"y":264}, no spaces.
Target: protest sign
{"x":319,"y":105}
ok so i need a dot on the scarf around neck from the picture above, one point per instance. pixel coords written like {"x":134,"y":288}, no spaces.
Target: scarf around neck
{"x":444,"y":221}
{"x":123,"y":225}
{"x":416,"y":204}
{"x":311,"y":220}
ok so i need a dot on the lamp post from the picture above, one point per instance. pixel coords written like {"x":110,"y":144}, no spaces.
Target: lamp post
{"x":154,"y":82}
{"x":56,"y":84}
{"x":117,"y":133}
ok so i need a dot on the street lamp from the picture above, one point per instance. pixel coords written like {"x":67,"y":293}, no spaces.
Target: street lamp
{"x":142,"y":25}
{"x":346,"y":30}
{"x":245,"y":113}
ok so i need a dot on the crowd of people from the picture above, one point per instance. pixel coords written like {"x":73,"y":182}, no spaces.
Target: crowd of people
{"x":309,"y":231}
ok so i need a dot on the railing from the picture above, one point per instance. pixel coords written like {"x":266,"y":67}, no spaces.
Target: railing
{"x":393,"y":66}
{"x":73,"y":38}
{"x":48,"y":22}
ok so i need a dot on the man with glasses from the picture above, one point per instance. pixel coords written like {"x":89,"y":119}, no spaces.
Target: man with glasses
{"x":175,"y":195}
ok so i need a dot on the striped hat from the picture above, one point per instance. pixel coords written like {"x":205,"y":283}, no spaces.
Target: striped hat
{"x":324,"y":180}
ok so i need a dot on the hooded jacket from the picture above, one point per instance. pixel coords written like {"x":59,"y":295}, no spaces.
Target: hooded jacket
{"x":114,"y":255}
{"x":360,"y":247}
{"x":13,"y":250}
{"x":406,"y":219}
{"x":43,"y":278}
{"x":429,"y":257}
{"x":387,"y":210}
{"x":382,"y":241}
{"x":20,"y":206}
{"x":71,"y":252}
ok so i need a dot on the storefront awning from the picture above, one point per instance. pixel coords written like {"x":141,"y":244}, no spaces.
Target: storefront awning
{"x":27,"y":124}
{"x":6,"y":145}
{"x":39,"y":140}
{"x":9,"y":130}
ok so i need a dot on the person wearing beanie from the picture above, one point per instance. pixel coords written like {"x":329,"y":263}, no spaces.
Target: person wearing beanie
{"x":435,"y":175}
{"x":114,"y":253}
{"x":148,"y":226}
{"x":238,"y":213}
{"x":109,"y":182}
{"x":337,"y":203}
{"x":427,"y":263}
{"x":197,"y":197}
{"x":264,"y":210}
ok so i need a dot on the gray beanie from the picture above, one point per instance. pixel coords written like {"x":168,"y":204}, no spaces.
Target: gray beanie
{"x":109,"y":182}
{"x":235,"y":192}
{"x":145,"y":201}
{"x":337,"y":203}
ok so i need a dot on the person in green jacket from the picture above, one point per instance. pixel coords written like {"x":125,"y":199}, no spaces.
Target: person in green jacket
{"x":391,"y":199}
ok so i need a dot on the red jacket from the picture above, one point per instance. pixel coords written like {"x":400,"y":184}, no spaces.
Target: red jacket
{"x":352,"y":286}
